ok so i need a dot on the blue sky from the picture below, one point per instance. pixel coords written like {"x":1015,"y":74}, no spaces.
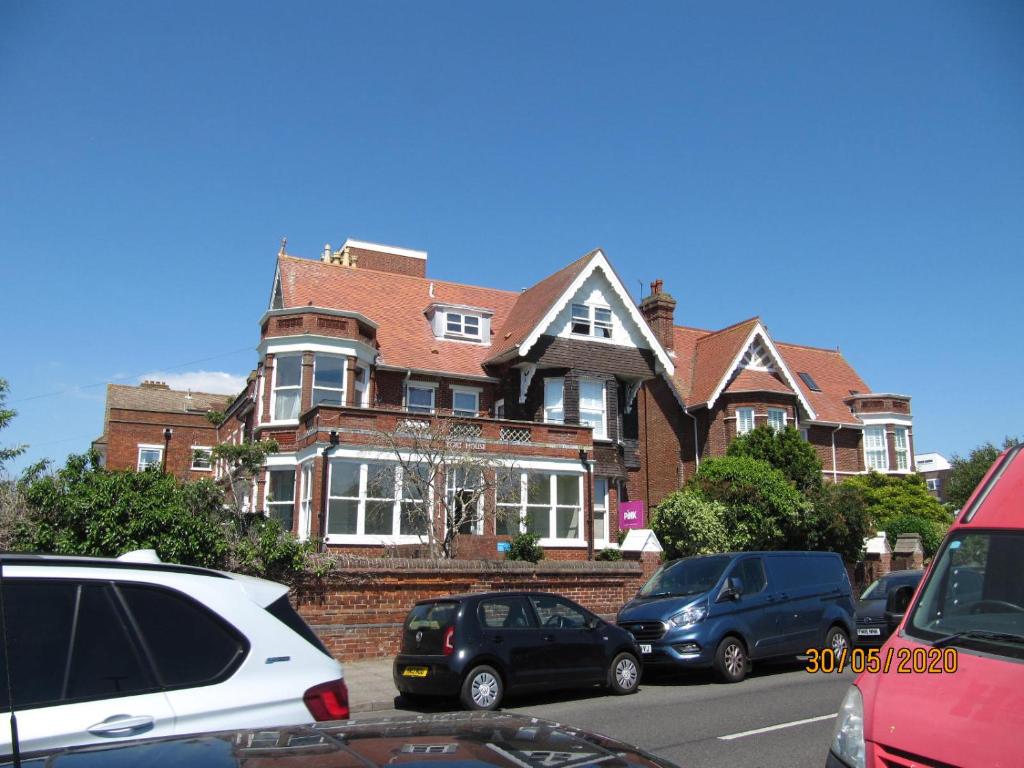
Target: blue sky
{"x":853,"y":173}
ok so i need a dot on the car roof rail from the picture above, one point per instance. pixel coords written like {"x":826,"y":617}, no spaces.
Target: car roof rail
{"x":82,"y":561}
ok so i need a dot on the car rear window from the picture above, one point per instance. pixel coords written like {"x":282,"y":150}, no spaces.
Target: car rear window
{"x":281,"y":609}
{"x":431,"y":616}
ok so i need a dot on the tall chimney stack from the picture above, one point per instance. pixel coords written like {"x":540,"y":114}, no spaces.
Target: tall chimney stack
{"x":659,"y":310}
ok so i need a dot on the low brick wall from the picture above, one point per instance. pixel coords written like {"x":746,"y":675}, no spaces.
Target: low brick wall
{"x":359,"y":608}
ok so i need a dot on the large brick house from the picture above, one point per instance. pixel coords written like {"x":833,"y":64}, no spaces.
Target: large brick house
{"x":592,"y":398}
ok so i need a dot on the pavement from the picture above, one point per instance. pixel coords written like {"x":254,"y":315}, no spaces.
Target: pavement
{"x":370,"y":685}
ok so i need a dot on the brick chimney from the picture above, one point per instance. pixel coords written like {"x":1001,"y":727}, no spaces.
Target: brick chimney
{"x":659,"y":310}
{"x":382,"y":258}
{"x":154,"y":385}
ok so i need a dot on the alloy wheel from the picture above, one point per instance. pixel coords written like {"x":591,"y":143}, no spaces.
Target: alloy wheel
{"x":839,"y":644}
{"x":734,"y":659}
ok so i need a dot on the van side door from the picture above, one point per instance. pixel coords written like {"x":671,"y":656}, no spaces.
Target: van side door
{"x":798,"y":600}
{"x":753,"y":610}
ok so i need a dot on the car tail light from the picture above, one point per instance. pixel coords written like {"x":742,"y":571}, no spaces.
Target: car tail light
{"x":449,"y":641}
{"x":327,"y":701}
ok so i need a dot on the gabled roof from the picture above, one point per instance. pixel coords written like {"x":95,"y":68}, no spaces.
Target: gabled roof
{"x":144,"y":398}
{"x":834,"y":376}
{"x":397,"y":304}
{"x":715,"y":353}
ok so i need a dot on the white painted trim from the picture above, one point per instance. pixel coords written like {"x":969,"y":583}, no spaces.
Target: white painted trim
{"x":888,"y":419}
{"x":380,"y":248}
{"x":343,"y":389}
{"x":499,"y":403}
{"x":439,"y":374}
{"x":461,"y":308}
{"x":526,"y":373}
{"x":758,"y":330}
{"x":192,"y":464}
{"x":460,"y":390}
{"x":599,"y":260}
{"x":273,"y":289}
{"x":604,"y":404}
{"x":147,"y":447}
{"x":280,"y":460}
{"x":273,"y":386}
{"x":430,"y":386}
{"x":283,"y":345}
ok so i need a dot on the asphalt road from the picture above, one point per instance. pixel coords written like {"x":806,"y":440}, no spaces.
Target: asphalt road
{"x":694,"y":721}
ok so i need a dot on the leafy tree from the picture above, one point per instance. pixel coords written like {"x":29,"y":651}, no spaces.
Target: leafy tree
{"x":889,"y":496}
{"x":687,"y":524}
{"x":6,"y":415}
{"x":930,"y":530}
{"x":786,"y":450}
{"x":243,"y":461}
{"x":763,"y":510}
{"x":838,"y":521}
{"x":968,"y":472}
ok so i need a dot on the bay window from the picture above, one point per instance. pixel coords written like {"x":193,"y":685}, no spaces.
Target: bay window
{"x":600,"y":509}
{"x":376,"y":498}
{"x":306,"y":501}
{"x":287,"y":387}
{"x":554,"y":405}
{"x":328,"y":379}
{"x":280,"y":500}
{"x":876,"y":453}
{"x":548,"y":503}
{"x":902,"y":449}
{"x":593,"y":407}
{"x":744,"y":420}
{"x":777,"y":419}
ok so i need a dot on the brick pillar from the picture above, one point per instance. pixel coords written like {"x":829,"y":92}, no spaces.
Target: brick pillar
{"x":316,"y":503}
{"x":306,"y":398}
{"x":350,"y":380}
{"x":268,"y":383}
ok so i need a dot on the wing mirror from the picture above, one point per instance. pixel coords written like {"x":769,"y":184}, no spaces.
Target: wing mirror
{"x":896,"y":604}
{"x":732,"y":589}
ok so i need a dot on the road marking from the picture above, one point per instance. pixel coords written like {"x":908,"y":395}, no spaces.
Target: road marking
{"x":756,"y":731}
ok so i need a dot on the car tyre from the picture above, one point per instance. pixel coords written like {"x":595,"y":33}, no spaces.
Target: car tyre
{"x":838,"y":642}
{"x":482,"y":689}
{"x":624,"y":674}
{"x":731,"y":662}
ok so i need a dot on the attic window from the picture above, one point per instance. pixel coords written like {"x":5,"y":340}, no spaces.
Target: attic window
{"x":591,"y":321}
{"x":462,"y":325}
{"x":757,"y":358}
{"x":807,"y":379}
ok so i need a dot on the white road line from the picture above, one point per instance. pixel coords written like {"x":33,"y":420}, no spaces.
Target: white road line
{"x":756,"y":731}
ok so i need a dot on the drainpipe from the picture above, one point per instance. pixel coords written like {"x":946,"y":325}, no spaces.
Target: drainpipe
{"x":167,"y":447}
{"x":696,"y":448}
{"x":590,"y":504}
{"x":321,"y":545}
{"x":835,"y":473}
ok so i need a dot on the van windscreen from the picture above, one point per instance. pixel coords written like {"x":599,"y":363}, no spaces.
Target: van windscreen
{"x":974,"y":596}
{"x":686,"y":577}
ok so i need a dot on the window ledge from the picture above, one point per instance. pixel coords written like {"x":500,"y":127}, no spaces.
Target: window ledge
{"x":373,"y":539}
{"x":581,"y":543}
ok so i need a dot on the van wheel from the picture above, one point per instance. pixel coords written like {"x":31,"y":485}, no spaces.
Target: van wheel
{"x":482,"y":689}
{"x":731,"y":660}
{"x":837,"y":641}
{"x":624,"y":674}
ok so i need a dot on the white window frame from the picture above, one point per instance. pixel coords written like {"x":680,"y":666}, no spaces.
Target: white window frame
{"x":139,"y":466}
{"x":932,"y":484}
{"x":305,"y":501}
{"x":460,"y":319}
{"x":275,"y":389}
{"x":450,"y":487}
{"x":600,"y":429}
{"x":396,"y":497}
{"x":777,"y":411}
{"x":740,"y":430}
{"x":362,"y":387}
{"x":267,"y":503}
{"x":596,"y":328}
{"x":873,"y":451}
{"x":902,"y":435}
{"x":209,"y":458}
{"x":499,"y":408}
{"x":552,"y":407}
{"x":430,"y":386}
{"x":601,"y":505}
{"x":474,"y":392}
{"x":344,"y":379}
{"x":552,"y":507}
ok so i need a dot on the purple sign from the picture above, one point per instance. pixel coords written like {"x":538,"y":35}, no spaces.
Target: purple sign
{"x":631,"y":514}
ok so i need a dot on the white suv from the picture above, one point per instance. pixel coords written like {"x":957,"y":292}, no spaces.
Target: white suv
{"x":103,"y":650}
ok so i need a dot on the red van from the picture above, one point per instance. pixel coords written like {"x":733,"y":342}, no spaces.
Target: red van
{"x":950,"y":685}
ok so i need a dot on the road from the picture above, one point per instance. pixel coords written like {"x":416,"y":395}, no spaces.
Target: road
{"x":694,"y":721}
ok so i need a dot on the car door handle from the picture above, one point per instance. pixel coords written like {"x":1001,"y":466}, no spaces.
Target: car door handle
{"x":549,"y":638}
{"x":122,"y":725}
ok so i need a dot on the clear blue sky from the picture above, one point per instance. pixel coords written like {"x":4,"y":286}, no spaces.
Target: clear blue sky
{"x":852,"y":172}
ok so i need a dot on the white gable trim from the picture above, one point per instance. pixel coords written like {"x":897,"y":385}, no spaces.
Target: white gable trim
{"x":758,"y":330}
{"x":275,"y":288}
{"x":599,"y":261}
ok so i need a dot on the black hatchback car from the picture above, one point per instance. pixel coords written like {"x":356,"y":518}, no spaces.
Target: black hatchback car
{"x":479,"y":646}
{"x":872,"y":627}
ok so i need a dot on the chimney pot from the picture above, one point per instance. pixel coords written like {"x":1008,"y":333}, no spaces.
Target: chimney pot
{"x":656,"y":287}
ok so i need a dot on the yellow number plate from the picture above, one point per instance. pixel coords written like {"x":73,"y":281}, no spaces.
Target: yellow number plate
{"x":414,"y":672}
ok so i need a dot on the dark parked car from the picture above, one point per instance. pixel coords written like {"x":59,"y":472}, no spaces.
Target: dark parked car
{"x":723,"y":611}
{"x":872,"y":628}
{"x":480,"y":739}
{"x":481,"y":645}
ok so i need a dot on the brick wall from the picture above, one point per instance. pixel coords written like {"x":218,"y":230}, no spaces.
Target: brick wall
{"x":358,"y":610}
{"x":389,"y":262}
{"x":128,"y":428}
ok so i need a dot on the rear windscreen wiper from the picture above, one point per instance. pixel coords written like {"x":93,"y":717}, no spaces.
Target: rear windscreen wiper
{"x":978,"y":634}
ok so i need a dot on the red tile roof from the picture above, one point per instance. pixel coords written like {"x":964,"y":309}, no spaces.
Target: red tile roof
{"x":831,"y":373}
{"x":714,"y":354}
{"x":747,"y":380}
{"x":397,"y":303}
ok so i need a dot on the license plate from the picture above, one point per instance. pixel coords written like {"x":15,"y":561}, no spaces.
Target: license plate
{"x":871,"y":632}
{"x":645,"y":648}
{"x":414,"y":672}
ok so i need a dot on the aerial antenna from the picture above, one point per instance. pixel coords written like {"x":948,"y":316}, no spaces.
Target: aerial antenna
{"x":15,"y":749}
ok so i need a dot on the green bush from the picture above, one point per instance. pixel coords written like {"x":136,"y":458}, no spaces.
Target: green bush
{"x":786,"y":450}
{"x":525,"y":547}
{"x":931,"y":531}
{"x":609,"y":554}
{"x":763,"y":510}
{"x":687,"y":524}
{"x":837,"y":521}
{"x":890,"y":496}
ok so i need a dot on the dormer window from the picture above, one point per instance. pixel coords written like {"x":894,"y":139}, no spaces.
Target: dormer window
{"x":590,"y":320}
{"x":462,"y":325}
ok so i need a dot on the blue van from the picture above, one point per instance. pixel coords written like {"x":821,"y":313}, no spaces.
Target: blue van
{"x":725,"y":611}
